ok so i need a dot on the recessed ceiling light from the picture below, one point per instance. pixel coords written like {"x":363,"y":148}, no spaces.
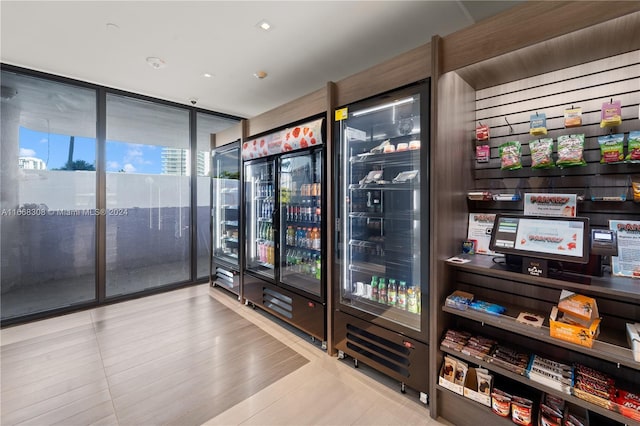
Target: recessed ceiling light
{"x":264,"y":25}
{"x":207,"y":75}
{"x":260,"y":74}
{"x":156,"y":63}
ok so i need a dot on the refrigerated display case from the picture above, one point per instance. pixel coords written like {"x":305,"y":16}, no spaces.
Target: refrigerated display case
{"x":284,"y":239}
{"x":382,"y":237}
{"x":225,"y":211}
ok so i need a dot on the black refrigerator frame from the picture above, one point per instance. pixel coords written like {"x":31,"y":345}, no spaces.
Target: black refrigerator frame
{"x":303,"y":310}
{"x":223,"y":274}
{"x":389,"y":347}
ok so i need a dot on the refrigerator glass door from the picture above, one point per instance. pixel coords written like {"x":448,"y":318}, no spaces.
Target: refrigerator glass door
{"x":380,"y":187}
{"x":300,"y":221}
{"x":226,"y":198}
{"x":260,"y":211}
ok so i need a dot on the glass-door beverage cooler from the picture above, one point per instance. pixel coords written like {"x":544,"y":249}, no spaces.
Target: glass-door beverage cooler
{"x":225,"y":211}
{"x":284,"y":226}
{"x":382,"y":258}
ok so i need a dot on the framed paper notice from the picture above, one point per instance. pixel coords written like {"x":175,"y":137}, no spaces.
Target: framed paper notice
{"x":627,"y":262}
{"x":550,"y":205}
{"x":480,"y":226}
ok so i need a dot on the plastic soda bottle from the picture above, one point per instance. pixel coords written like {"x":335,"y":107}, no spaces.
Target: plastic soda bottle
{"x":402,"y":295}
{"x":382,"y":290}
{"x":392,"y":293}
{"x":374,"y":288}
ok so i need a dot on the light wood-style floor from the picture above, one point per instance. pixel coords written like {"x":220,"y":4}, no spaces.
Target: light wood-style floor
{"x":185,"y":358}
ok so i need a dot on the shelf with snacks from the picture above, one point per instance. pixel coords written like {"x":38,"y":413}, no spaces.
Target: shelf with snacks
{"x":537,"y":385}
{"x":481,"y":413}
{"x":608,"y":346}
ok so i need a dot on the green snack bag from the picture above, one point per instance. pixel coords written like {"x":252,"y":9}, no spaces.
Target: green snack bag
{"x":541,"y":153}
{"x":570,"y":151}
{"x":510,"y":156}
{"x":634,"y":147}
{"x":611,"y":148}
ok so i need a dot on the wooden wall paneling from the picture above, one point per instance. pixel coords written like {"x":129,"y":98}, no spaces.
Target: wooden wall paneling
{"x":314,"y":103}
{"x":228,"y":135}
{"x":614,"y":62}
{"x":532,"y":23}
{"x":404,"y":69}
{"x":451,"y":175}
{"x":436,"y":268}
{"x":331,"y":171}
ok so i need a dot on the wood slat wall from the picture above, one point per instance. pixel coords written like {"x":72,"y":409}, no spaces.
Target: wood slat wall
{"x":506,"y":109}
{"x":314,"y":103}
{"x":532,"y":23}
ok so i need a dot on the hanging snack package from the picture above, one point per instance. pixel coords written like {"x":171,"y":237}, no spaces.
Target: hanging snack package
{"x":611,"y":148}
{"x":538,"y":124}
{"x":483,"y":153}
{"x":541,"y":153}
{"x":482,"y":132}
{"x":570,"y":151}
{"x":633,"y":145}
{"x":510,"y":156}
{"x":611,"y":114}
{"x":573,"y":117}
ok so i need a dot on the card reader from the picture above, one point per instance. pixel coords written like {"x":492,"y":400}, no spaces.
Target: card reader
{"x":604,"y":242}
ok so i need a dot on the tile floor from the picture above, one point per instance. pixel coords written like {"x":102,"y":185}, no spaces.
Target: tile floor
{"x":320,"y":390}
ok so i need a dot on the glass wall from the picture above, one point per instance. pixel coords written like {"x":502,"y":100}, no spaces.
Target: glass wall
{"x":48,"y":201}
{"x":206,"y":125}
{"x":148,"y":235}
{"x":60,"y":200}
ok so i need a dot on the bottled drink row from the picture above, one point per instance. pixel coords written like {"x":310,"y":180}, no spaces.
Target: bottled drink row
{"x":265,"y":231}
{"x":266,"y":209}
{"x":303,"y":262}
{"x":308,"y":238}
{"x":391,"y":293}
{"x":307,"y":207}
{"x":265,"y":189}
{"x":266,"y":252}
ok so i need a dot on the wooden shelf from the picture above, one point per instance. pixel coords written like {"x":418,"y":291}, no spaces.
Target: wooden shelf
{"x":627,"y":289}
{"x":526,"y":381}
{"x":602,"y":350}
{"x":481,"y":413}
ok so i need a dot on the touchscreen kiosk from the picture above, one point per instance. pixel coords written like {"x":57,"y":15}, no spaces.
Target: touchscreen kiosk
{"x":561,"y":239}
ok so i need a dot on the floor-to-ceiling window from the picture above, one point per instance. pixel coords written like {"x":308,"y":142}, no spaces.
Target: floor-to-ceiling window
{"x":148,"y":237}
{"x":48,"y":195}
{"x":98,"y":193}
{"x":206,"y":125}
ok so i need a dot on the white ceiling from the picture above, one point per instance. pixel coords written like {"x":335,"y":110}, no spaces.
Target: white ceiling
{"x":311,"y":42}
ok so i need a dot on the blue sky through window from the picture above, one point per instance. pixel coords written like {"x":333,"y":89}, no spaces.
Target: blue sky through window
{"x":53,"y":149}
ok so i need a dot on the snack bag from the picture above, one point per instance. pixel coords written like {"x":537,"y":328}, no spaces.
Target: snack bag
{"x":482,"y":132}
{"x":570,"y":151}
{"x":541,"y":151}
{"x":611,"y":114}
{"x":611,"y":148}
{"x":538,"y":124}
{"x":634,"y":147}
{"x":573,"y":117}
{"x":510,"y":156}
{"x":635,"y":187}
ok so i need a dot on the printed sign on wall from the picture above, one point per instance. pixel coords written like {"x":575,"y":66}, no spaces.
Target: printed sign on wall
{"x":550,"y":204}
{"x":290,"y":139}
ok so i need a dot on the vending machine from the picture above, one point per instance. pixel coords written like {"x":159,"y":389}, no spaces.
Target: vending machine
{"x":382,"y":257}
{"x":284,"y":226}
{"x":225,"y":212}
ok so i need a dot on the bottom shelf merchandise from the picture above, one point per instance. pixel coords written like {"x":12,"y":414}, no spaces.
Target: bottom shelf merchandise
{"x":583,"y":387}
